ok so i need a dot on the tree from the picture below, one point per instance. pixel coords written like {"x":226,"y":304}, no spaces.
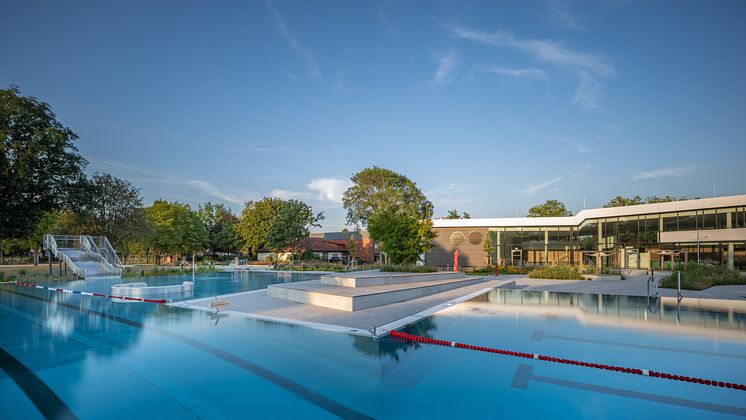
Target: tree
{"x":551,"y":208}
{"x":403,"y":237}
{"x":291,"y":225}
{"x":257,"y":220}
{"x":377,"y":189}
{"x":220,"y":225}
{"x":39,"y":164}
{"x":620,"y":201}
{"x":352,"y":247}
{"x":488,"y":249}
{"x":111,"y":209}
{"x":454,"y":214}
{"x":178,"y":229}
{"x":665,"y":199}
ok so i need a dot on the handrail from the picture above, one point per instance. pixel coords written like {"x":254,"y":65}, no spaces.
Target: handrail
{"x":50,"y":245}
{"x":103,"y":255}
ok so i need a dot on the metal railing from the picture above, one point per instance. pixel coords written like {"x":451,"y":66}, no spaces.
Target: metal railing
{"x":98,"y":249}
{"x":50,"y":245}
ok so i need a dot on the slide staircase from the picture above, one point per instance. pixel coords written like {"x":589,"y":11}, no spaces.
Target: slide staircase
{"x":87,"y":256}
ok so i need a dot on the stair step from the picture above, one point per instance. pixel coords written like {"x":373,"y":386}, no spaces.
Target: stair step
{"x":383,"y":278}
{"x":351,"y":299}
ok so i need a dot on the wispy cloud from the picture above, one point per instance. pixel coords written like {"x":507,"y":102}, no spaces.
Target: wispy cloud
{"x":446,"y":64}
{"x":451,"y":194}
{"x":588,"y":93}
{"x":216,"y":192}
{"x":586,"y":67}
{"x":305,"y":53}
{"x":561,"y":11}
{"x":666,"y":172}
{"x":533,"y":189}
{"x":530,"y":73}
{"x":330,"y":189}
{"x":201,"y":186}
{"x":581,"y":146}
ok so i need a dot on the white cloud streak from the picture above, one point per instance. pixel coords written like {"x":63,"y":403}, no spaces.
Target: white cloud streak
{"x":529,"y":73}
{"x":533,"y":189}
{"x":305,"y":53}
{"x":586,"y":67}
{"x":330,"y":189}
{"x":665,"y":172}
{"x":561,"y":11}
{"x":446,"y":64}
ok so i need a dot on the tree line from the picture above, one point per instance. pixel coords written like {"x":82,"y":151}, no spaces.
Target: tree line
{"x":45,"y":189}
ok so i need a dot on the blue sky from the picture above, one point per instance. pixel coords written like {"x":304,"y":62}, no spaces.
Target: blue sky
{"x":491,"y":107}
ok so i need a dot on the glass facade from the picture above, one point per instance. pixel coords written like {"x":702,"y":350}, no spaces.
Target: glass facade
{"x":630,"y":242}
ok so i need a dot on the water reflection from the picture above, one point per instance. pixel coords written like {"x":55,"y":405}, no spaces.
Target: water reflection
{"x":690,"y":313}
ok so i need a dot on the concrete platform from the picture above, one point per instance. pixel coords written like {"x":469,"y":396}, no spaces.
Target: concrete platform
{"x":352,"y":299}
{"x":377,"y":278}
{"x":366,"y":322}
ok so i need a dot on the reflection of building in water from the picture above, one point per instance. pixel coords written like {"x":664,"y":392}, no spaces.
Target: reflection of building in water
{"x":693,"y":316}
{"x":711,"y":230}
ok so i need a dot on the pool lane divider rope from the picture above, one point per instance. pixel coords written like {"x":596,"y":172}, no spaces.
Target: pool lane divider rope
{"x":77,"y":292}
{"x":621,"y":369}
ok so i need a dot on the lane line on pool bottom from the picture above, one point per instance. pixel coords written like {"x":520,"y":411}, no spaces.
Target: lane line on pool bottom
{"x":77,"y":292}
{"x":621,"y":369}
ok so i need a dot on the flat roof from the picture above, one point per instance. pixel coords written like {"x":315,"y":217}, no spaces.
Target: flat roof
{"x":600,"y":213}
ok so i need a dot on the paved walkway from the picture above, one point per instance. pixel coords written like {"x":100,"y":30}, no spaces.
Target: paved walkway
{"x":256,"y":304}
{"x":632,"y":286}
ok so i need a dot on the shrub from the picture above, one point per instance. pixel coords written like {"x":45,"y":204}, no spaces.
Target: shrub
{"x":22,"y":272}
{"x":2,"y":276}
{"x":702,"y":276}
{"x":559,"y":272}
{"x":391,"y":268}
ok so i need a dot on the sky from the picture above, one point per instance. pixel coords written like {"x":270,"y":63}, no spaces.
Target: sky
{"x":490,"y":107}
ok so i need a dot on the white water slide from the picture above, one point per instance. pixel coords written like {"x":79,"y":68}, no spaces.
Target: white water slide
{"x":87,"y":256}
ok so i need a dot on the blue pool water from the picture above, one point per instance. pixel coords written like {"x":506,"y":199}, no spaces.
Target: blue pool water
{"x":92,"y":358}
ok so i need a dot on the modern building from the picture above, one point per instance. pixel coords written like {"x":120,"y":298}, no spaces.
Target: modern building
{"x":708,"y":230}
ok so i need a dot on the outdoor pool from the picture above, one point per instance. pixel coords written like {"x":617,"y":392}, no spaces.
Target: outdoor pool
{"x":89,"y":357}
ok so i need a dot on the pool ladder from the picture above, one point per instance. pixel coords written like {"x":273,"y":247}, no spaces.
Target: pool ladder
{"x":654,"y":308}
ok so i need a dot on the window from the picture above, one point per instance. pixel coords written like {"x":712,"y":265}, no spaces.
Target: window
{"x":670,"y":223}
{"x":687,"y":221}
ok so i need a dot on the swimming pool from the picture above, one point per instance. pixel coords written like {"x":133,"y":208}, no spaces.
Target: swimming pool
{"x":99,"y":358}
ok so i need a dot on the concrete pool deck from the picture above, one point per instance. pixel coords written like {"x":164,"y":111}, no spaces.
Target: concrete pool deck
{"x":257,"y":304}
{"x":612,"y":285}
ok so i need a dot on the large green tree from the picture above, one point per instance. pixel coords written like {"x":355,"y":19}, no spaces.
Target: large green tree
{"x":257,"y":220}
{"x":220,"y":224}
{"x":550,"y":208}
{"x":377,"y":189}
{"x":39,"y":164}
{"x":178,"y":229}
{"x":402,"y":236}
{"x":291,"y":225}
{"x":112,"y":209}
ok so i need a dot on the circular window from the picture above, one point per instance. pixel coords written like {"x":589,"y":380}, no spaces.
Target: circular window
{"x":475,"y":237}
{"x":457,"y":238}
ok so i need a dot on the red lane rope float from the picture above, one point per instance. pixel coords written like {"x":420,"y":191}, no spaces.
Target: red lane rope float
{"x":77,"y":292}
{"x":633,"y":371}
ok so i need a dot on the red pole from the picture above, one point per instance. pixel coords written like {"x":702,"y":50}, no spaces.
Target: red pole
{"x":455,"y":260}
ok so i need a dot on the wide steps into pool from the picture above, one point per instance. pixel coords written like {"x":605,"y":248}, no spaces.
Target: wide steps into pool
{"x":347,"y":298}
{"x":377,"y":278}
